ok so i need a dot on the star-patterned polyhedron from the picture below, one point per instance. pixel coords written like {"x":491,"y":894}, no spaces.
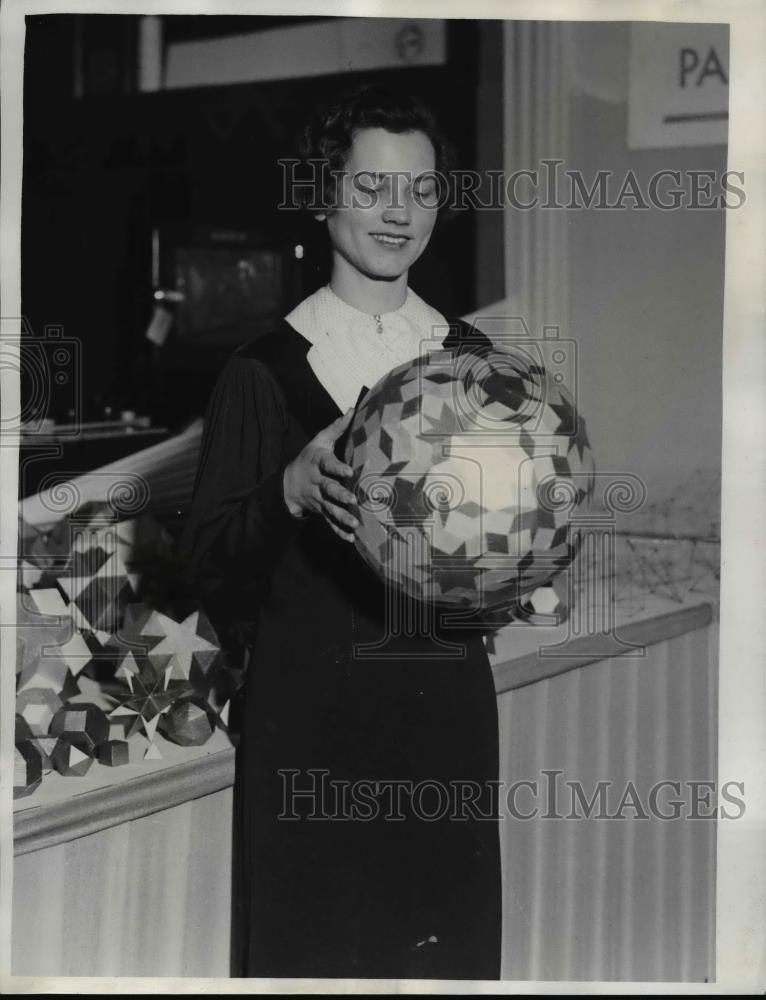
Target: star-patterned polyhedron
{"x":467,"y":466}
{"x":188,"y":649}
{"x":149,"y":693}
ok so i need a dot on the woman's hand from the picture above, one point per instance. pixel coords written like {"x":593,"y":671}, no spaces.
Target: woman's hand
{"x":310,"y":481}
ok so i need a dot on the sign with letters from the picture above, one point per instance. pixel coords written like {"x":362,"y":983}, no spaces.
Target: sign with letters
{"x":678,"y":91}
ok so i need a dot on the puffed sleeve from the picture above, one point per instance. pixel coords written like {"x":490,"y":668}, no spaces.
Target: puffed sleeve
{"x":238,"y":519}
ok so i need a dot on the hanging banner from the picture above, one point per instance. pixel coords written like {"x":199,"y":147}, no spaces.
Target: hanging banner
{"x":678,"y":91}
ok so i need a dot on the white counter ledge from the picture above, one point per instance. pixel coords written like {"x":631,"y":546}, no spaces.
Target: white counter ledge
{"x":64,"y":809}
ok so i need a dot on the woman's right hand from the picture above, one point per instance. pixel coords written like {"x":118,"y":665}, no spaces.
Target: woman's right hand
{"x":312,"y":481}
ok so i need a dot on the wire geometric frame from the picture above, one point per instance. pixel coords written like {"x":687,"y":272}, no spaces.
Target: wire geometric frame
{"x":671,"y":547}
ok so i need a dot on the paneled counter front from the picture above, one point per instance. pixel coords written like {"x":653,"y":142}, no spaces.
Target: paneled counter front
{"x":126,"y":871}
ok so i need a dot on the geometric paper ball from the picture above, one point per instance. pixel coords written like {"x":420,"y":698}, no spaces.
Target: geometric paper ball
{"x":467,"y":466}
{"x":84,"y":726}
{"x":190,"y":722}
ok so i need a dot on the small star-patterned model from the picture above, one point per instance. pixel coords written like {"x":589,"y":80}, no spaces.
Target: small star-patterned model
{"x":149,"y":694}
{"x":466,"y":470}
{"x":188,"y":648}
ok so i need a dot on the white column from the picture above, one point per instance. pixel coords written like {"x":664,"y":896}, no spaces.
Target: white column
{"x":536,"y":114}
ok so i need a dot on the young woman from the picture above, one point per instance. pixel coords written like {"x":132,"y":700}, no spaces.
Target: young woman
{"x":346,"y":862}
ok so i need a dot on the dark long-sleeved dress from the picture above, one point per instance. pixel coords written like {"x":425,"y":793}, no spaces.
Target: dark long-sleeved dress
{"x":376,"y":890}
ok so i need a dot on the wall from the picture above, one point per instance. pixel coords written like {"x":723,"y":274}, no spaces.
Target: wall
{"x":101,"y":172}
{"x":645,"y":301}
{"x":646,"y":308}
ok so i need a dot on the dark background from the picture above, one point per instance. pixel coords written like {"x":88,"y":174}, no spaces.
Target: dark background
{"x":103,"y":169}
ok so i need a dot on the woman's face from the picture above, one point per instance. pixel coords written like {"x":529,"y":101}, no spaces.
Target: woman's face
{"x":388,"y":204}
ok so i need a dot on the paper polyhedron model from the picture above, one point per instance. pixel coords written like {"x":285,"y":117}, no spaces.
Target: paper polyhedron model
{"x":99,"y":587}
{"x":466,"y":468}
{"x":190,"y":646}
{"x":114,"y":753}
{"x":46,"y":746}
{"x":149,"y":693}
{"x":70,"y":761}
{"x":190,"y":722}
{"x":84,"y":726}
{"x":49,"y":652}
{"x":27,"y":769}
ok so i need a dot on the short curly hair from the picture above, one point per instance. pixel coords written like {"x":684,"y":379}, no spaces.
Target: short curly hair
{"x":329,"y":135}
